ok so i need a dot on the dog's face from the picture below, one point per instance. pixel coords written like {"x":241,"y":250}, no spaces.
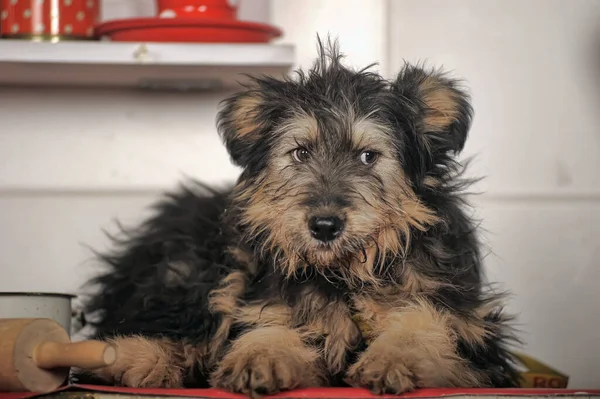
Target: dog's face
{"x":334,"y":162}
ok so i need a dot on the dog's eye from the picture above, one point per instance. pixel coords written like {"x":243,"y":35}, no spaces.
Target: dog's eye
{"x":368,"y":157}
{"x":300,"y":154}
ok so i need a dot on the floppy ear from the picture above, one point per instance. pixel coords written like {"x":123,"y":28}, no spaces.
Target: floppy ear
{"x":240,"y":123}
{"x":439,"y":113}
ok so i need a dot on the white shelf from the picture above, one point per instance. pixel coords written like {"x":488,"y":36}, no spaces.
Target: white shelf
{"x":112,"y":64}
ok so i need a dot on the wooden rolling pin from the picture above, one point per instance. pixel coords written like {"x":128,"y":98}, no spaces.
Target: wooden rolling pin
{"x":37,"y":354}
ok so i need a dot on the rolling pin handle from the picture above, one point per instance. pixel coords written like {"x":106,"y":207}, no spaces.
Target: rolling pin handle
{"x":85,"y":355}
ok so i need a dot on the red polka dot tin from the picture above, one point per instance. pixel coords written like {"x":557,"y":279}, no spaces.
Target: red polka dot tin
{"x":49,"y":20}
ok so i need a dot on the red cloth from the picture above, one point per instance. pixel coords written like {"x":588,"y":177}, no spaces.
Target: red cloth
{"x":321,"y":393}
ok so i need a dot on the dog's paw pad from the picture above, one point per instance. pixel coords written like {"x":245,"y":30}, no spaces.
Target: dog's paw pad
{"x":263,"y":373}
{"x":383,"y":372}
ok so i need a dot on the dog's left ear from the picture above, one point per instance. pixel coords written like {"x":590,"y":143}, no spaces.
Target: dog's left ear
{"x":438,"y":112}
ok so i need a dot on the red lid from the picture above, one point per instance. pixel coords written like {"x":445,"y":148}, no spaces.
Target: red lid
{"x":187,"y":29}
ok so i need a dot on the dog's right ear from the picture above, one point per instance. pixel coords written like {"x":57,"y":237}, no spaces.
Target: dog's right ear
{"x":241,"y":123}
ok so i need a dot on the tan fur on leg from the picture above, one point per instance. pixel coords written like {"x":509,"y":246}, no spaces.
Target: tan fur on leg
{"x":268,"y":360}
{"x":412,"y":347}
{"x":224,"y":300}
{"x":149,"y":363}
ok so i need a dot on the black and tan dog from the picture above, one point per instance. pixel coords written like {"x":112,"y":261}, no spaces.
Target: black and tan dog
{"x":342,"y":254}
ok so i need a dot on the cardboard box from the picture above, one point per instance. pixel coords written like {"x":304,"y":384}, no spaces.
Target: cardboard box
{"x":536,"y":374}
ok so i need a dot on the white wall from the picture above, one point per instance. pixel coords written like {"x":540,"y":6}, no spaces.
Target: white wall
{"x":534,"y":72}
{"x":82,"y":158}
{"x":73,"y":160}
{"x":360,"y":26}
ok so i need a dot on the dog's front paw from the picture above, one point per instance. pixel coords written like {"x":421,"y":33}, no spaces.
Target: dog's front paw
{"x":142,"y":363}
{"x":381,"y":370}
{"x":263,"y":368}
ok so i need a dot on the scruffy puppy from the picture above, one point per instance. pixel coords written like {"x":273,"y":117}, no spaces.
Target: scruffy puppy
{"x":341,"y":254}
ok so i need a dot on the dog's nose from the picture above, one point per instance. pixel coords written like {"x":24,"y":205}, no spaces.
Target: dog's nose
{"x":325,"y":228}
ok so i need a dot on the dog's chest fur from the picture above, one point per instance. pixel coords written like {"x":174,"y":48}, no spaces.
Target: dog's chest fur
{"x":339,"y":320}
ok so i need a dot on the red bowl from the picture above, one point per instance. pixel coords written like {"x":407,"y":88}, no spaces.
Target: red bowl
{"x":218,"y":9}
{"x":190,"y":30}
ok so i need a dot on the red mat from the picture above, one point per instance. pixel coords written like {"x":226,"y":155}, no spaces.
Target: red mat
{"x":322,"y":393}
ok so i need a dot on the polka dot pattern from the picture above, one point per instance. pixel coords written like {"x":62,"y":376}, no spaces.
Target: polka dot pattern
{"x":76,"y":18}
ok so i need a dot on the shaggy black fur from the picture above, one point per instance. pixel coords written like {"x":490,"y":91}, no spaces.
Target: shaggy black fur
{"x":160,"y":277}
{"x":146,"y":282}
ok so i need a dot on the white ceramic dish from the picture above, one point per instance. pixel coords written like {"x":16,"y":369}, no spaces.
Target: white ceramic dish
{"x":53,"y":306}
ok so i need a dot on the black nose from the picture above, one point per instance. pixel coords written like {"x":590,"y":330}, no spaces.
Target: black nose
{"x":325,"y":228}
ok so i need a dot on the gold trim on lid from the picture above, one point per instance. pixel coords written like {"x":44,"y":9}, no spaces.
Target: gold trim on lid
{"x":48,"y":38}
